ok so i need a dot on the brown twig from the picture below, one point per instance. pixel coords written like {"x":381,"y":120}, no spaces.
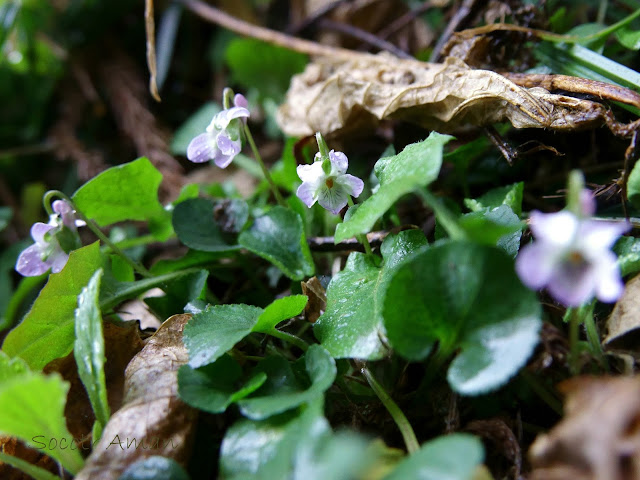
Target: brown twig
{"x":458,"y":18}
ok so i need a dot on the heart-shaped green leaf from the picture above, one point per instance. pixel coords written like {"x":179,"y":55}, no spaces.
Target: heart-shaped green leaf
{"x":280,"y":310}
{"x":351,"y":326}
{"x":416,"y":166}
{"x":195,"y":225}
{"x":125,"y":192}
{"x":277,"y":236}
{"x":469,"y":299}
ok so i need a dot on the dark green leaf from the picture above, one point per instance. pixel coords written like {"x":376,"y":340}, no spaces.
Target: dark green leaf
{"x":451,"y":457}
{"x":47,"y":331}
{"x":277,"y":237}
{"x":510,"y":195}
{"x":125,"y":192}
{"x":178,"y":293}
{"x":351,"y":326}
{"x":250,"y":59}
{"x":89,"y":349}
{"x":212,"y":333}
{"x":494,"y":226}
{"x":633,"y":186}
{"x":416,"y":166}
{"x":5,"y":217}
{"x":214,"y":387}
{"x":274,"y":398}
{"x":154,"y":468}
{"x":469,"y":299}
{"x":195,"y":225}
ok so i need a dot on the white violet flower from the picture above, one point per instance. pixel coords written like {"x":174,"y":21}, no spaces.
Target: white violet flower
{"x":572,"y":256}
{"x":54,"y":241}
{"x":222,"y":140}
{"x":327,"y":182}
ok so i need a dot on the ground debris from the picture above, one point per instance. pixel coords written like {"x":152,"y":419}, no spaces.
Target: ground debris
{"x":334,"y":95}
{"x":599,"y":437}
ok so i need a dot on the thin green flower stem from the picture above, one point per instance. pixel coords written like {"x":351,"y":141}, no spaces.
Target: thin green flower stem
{"x":362,"y":238}
{"x":290,"y":338}
{"x":398,"y":416}
{"x":266,"y":173}
{"x":444,"y":216}
{"x":574,"y":337}
{"x":96,"y":230}
{"x":594,"y":338}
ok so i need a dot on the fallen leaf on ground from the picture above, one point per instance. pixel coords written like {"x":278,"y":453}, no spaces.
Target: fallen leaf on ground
{"x":153,"y":420}
{"x":598,"y":439}
{"x":337,"y":95}
{"x":317,"y":303}
{"x":623,"y":325}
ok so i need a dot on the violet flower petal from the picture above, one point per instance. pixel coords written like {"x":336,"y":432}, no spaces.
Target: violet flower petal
{"x":556,"y":228}
{"x":333,"y":199}
{"x":535,"y":264}
{"x":227,"y":150}
{"x":339,"y":162}
{"x":38,"y":232}
{"x":202,"y":148}
{"x":306,"y":193}
{"x":352,"y":184}
{"x":30,"y":262}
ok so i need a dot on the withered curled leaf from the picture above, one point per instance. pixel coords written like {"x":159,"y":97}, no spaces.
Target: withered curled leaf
{"x":599,"y":438}
{"x":152,"y":420}
{"x":338,"y":95}
{"x":623,"y":325}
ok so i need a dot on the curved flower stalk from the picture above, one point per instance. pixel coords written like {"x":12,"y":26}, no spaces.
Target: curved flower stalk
{"x":327,"y":182}
{"x":572,"y":255}
{"x":54,"y":241}
{"x":222,"y":140}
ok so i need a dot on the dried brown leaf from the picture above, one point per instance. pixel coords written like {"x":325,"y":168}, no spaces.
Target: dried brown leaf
{"x":337,"y":95}
{"x":152,"y":420}
{"x":317,"y":303}
{"x":623,"y":325}
{"x":16,"y":448}
{"x":598,"y":439}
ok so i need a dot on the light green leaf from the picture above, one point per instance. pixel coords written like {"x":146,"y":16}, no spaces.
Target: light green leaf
{"x":628,"y":251}
{"x":629,"y":38}
{"x":210,"y":334}
{"x":351,"y":326}
{"x":468,"y":298}
{"x":29,"y":468}
{"x":277,"y":236}
{"x":510,"y":195}
{"x":280,"y":310}
{"x":451,"y":457}
{"x":274,"y":397}
{"x":497,"y":226}
{"x":11,"y":367}
{"x":22,"y":402}
{"x":125,"y":192}
{"x":89,"y":349}
{"x":47,"y":331}
{"x":416,"y":166}
{"x":633,"y":186}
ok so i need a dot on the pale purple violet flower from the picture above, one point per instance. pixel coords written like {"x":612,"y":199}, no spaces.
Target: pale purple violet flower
{"x":221,"y":142}
{"x":571,"y":256}
{"x":330,"y":190}
{"x":47,"y":252}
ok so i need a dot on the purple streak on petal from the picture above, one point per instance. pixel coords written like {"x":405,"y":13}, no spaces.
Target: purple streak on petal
{"x":30,"y":263}
{"x":535,"y":265}
{"x":38,"y":231}
{"x":228,"y":149}
{"x":587,"y":203}
{"x":339,"y":161}
{"x":333,"y":199}
{"x":202,"y":148}
{"x":556,"y":228}
{"x":305,"y":193}
{"x":240,"y":101}
{"x":58,"y":260}
{"x":311,"y":173}
{"x":573,"y":286}
{"x":352,"y":184}
{"x":599,"y":235}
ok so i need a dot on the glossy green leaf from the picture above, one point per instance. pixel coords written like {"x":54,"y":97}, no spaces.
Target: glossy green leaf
{"x":451,"y":457}
{"x":351,"y":326}
{"x":251,"y":59}
{"x":47,"y":331}
{"x":416,"y":166}
{"x":212,"y":333}
{"x":277,"y":236}
{"x":497,"y":226}
{"x":32,"y":407}
{"x":195,"y":225}
{"x":629,"y":38}
{"x":280,"y":310}
{"x":214,"y":387}
{"x":297,"y":445}
{"x":468,"y":298}
{"x":89,"y":348}
{"x":628,"y":251}
{"x":179,"y":292}
{"x":125,"y":192}
{"x":154,"y":468}
{"x":272,"y":399}
{"x":510,"y":195}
